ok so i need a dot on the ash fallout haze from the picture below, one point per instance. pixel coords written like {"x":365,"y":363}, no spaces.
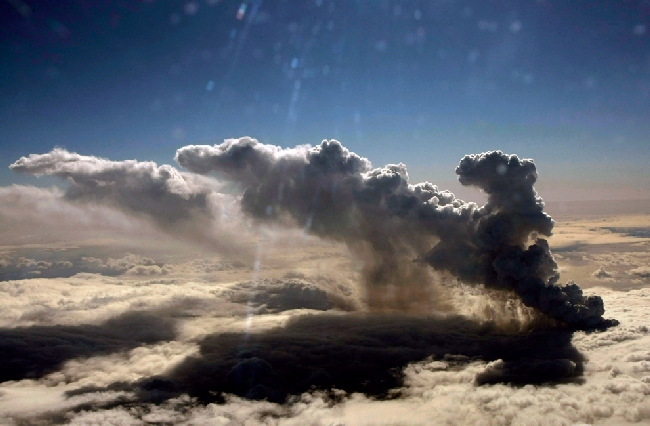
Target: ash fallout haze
{"x":324,"y":212}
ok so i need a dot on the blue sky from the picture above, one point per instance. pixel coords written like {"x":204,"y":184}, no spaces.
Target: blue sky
{"x":421,"y":82}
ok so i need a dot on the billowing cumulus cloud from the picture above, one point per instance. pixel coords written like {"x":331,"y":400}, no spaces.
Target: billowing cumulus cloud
{"x":390,"y":222}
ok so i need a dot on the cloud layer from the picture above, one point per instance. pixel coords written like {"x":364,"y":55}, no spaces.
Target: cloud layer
{"x":385,"y":369}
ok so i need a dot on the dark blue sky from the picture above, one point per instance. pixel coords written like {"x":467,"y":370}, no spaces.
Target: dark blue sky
{"x":423,"y":82}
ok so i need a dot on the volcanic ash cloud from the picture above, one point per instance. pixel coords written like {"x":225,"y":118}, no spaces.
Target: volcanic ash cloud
{"x":335,"y":193}
{"x":179,"y":203}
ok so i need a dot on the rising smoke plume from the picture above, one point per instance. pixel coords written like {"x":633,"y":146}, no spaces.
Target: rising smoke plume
{"x":335,"y":193}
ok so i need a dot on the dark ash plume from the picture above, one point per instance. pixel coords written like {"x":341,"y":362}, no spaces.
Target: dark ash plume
{"x":335,"y":193}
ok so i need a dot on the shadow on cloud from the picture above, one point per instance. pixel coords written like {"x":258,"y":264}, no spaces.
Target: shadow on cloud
{"x":361,"y":354}
{"x":32,"y":352}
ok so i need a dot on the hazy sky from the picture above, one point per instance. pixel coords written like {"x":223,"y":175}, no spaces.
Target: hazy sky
{"x":421,"y":82}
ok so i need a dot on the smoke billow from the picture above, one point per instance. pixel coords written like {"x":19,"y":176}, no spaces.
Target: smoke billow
{"x":335,"y":193}
{"x":161,"y":192}
{"x":183,"y":204}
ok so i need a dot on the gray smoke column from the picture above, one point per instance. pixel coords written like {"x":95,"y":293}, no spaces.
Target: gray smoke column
{"x":337,"y":194}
